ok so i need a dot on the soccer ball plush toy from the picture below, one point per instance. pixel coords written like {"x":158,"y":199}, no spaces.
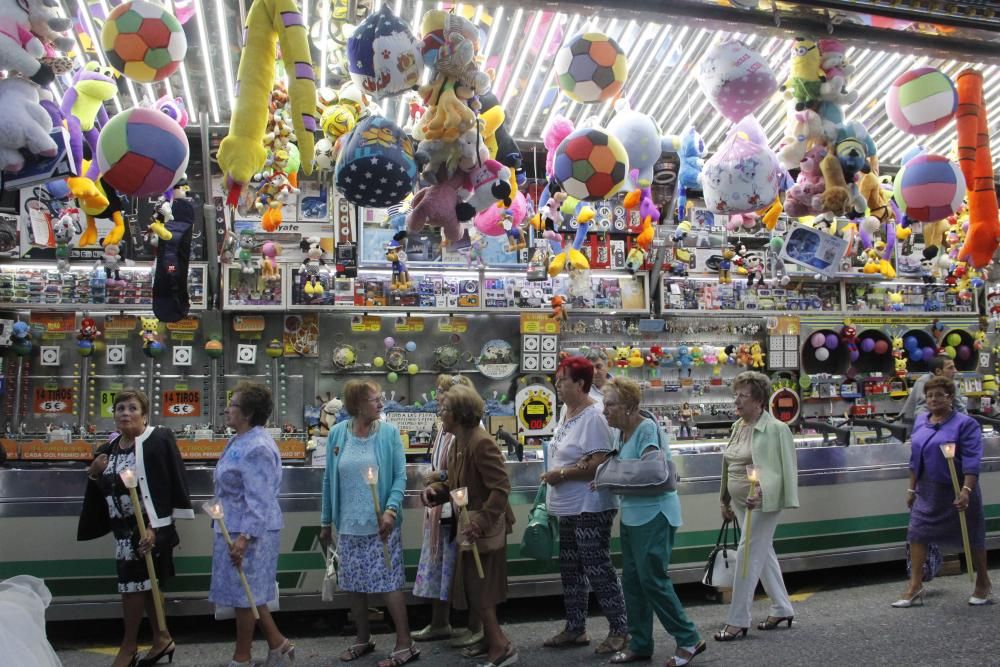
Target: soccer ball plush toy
{"x":143,"y":41}
{"x":590,"y":164}
{"x":142,"y":152}
{"x":591,"y":68}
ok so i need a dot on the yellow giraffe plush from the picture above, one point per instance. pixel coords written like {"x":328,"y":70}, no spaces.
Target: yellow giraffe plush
{"x":242,"y":153}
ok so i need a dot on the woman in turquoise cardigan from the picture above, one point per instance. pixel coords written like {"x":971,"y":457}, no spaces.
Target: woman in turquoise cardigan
{"x":648,"y":527}
{"x":759,"y":439}
{"x":361,"y":445}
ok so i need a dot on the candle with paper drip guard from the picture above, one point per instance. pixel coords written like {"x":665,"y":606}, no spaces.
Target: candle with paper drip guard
{"x":131,"y":482}
{"x":460,"y":497}
{"x":753,"y":474}
{"x":372,"y":478}
{"x":948,"y":450}
{"x":213,"y":508}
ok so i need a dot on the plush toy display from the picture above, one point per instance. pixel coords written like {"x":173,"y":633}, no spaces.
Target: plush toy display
{"x":735,"y":79}
{"x":690,"y":174}
{"x":241,"y":153}
{"x":976,"y":162}
{"x":590,"y":164}
{"x":383,"y":56}
{"x":591,"y":67}
{"x":921,"y":101}
{"x":803,"y":197}
{"x":142,"y":152}
{"x":438,"y":205}
{"x":312,"y":264}
{"x":484,"y":185}
{"x":171,"y":301}
{"x":741,"y":177}
{"x":83,"y":109}
{"x":640,"y":136}
{"x":395,"y":254}
{"x":806,"y":76}
{"x":63,"y":231}
{"x":143,"y":41}
{"x":803,"y":130}
{"x":25,"y":125}
{"x":376,"y":166}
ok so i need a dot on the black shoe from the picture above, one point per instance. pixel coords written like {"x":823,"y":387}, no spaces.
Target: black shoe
{"x":151,"y":659}
{"x":771,"y":622}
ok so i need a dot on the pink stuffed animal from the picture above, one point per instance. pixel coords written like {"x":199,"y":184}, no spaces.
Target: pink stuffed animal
{"x":801,"y":198}
{"x":836,"y":68}
{"x":437,"y":205}
{"x":557,"y":129}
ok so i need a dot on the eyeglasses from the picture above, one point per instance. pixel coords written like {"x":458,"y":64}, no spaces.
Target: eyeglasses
{"x":377,"y":399}
{"x":743,"y":395}
{"x":935,"y":394}
{"x":612,"y":404}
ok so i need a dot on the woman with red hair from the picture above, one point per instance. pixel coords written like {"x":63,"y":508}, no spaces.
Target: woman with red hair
{"x":582,"y":442}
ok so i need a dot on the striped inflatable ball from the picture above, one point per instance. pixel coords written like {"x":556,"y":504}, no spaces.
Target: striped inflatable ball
{"x":921,"y":101}
{"x":929,"y":188}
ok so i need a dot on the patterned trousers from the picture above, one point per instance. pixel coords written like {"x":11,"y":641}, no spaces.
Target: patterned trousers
{"x":584,"y":564}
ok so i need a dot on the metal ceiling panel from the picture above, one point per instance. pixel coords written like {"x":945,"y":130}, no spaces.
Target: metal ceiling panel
{"x":664,"y":41}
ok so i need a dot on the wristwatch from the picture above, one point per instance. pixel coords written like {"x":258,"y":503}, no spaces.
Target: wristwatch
{"x":443,"y":475}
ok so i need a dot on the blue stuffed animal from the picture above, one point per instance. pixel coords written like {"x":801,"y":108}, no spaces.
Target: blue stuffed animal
{"x":689,"y":176}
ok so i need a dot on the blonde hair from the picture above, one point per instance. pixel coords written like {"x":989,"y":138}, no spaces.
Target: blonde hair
{"x":446,"y":381}
{"x":628,"y":390}
{"x":466,"y":405}
{"x":356,"y":392}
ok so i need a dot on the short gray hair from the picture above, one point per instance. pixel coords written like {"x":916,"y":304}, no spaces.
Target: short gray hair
{"x":758,"y":384}
{"x":595,"y":354}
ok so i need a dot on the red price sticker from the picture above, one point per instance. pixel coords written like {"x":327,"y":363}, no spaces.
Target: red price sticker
{"x":53,"y":401}
{"x":182,"y":404}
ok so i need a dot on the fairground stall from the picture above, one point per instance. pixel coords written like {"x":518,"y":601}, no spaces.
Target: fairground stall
{"x":199,"y":192}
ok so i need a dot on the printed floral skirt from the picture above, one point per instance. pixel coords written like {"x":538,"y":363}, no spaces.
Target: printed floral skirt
{"x":437,"y":564}
{"x":362,"y":564}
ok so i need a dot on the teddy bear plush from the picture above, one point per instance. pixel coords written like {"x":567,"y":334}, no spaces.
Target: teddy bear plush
{"x":803,"y":197}
{"x":24,"y":125}
{"x":803,"y":129}
{"x":836,"y":198}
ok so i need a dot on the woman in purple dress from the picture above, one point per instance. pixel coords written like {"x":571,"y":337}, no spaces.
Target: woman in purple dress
{"x":934,"y":507}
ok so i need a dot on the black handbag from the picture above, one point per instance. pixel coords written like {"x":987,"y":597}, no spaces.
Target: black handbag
{"x":720,"y":570}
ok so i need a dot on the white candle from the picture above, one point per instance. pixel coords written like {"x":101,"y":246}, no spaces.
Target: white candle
{"x":128,"y":478}
{"x":460,"y":496}
{"x":372,"y":476}
{"x":948,"y":449}
{"x":213,"y":508}
{"x":753,"y":473}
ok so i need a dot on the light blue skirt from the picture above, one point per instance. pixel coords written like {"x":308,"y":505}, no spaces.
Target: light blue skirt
{"x":362,"y":564}
{"x":260,"y":565}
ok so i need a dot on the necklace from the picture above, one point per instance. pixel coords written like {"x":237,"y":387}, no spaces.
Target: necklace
{"x":573,"y":412}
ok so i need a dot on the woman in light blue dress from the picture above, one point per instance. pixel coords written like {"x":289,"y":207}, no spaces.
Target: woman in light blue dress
{"x":355,"y":447}
{"x":247,"y":480}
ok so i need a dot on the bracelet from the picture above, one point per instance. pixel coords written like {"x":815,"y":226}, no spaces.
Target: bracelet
{"x":246,"y":536}
{"x":562,"y":473}
{"x":911,"y":491}
{"x":92,"y":478}
{"x":392,"y":511}
{"x":965,"y":488}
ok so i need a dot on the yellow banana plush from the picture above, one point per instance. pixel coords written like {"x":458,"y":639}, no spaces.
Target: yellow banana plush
{"x":242,"y":153}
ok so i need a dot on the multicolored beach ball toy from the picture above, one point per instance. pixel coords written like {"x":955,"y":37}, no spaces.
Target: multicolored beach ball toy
{"x":590,"y":164}
{"x":921,"y":101}
{"x":143,"y":41}
{"x":591,"y":68}
{"x":142,"y":152}
{"x":929,"y":187}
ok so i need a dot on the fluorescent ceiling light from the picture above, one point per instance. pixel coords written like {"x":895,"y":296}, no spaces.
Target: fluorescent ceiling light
{"x":513,"y":81}
{"x":206,"y":60}
{"x":512,"y":36}
{"x":529,"y":97}
{"x":227,"y":61}
{"x":549,"y":81}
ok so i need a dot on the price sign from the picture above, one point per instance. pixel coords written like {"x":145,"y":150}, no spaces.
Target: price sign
{"x":181,"y":403}
{"x":453,"y":324}
{"x":366,"y":323}
{"x":108,"y":404}
{"x":538,"y":323}
{"x":409,"y":324}
{"x":53,"y":401}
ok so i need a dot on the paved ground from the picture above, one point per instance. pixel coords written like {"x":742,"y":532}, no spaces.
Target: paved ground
{"x":842,"y":618}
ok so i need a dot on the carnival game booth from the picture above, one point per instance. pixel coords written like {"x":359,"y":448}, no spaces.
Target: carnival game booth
{"x":411,"y":190}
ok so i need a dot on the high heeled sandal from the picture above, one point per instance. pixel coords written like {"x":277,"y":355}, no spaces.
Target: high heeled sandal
{"x":906,"y":603}
{"x":276,"y":656}
{"x":724,"y":635}
{"x":151,"y":659}
{"x":772,"y":622}
{"x":355,"y":651}
{"x":699,"y":648}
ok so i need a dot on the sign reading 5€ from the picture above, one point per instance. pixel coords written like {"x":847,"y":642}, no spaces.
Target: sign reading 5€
{"x":182,"y":404}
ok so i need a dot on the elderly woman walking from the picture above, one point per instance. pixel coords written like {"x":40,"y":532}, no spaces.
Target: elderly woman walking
{"x":761,"y":440}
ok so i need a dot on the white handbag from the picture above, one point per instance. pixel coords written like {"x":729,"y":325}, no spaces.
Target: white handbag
{"x":720,"y":570}
{"x":330,"y":578}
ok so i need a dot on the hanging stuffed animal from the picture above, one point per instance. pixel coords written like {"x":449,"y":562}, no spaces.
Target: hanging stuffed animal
{"x":805,"y":77}
{"x":241,"y":153}
{"x":836,"y":69}
{"x":63,"y":231}
{"x":571,"y":257}
{"x":83,"y":109}
{"x":803,"y":198}
{"x":171,"y":300}
{"x":689,"y":175}
{"x":803,"y":130}
{"x":111,"y":261}
{"x":976,"y":162}
{"x":484,"y":185}
{"x":162,"y":214}
{"x":438,"y":205}
{"x":25,"y":126}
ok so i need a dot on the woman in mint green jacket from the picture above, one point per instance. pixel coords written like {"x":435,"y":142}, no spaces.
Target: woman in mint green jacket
{"x":759,"y":439}
{"x":360,"y":447}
